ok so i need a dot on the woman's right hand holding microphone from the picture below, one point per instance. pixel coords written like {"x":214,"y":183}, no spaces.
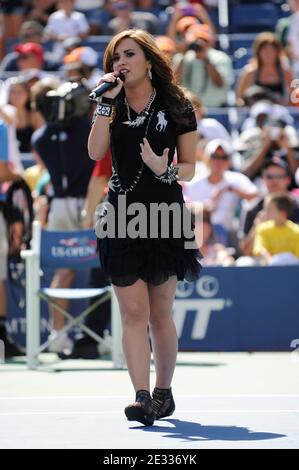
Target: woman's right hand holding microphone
{"x":111,"y":77}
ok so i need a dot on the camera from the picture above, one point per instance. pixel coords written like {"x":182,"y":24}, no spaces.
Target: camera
{"x":196,"y":46}
{"x":274,"y":133}
{"x":69,"y":101}
{"x":275,"y":127}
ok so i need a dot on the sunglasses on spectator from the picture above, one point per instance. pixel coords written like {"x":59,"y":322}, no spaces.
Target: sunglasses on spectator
{"x":267,"y":176}
{"x":214,"y":156}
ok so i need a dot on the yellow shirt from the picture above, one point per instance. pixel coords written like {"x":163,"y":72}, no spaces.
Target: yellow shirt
{"x":277,"y":238}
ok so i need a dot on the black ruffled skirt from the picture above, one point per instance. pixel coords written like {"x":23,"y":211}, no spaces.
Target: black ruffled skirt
{"x":124,"y":261}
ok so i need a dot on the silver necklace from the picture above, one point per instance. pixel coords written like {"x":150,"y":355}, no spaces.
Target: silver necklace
{"x":114,"y":182}
{"x":139,"y":120}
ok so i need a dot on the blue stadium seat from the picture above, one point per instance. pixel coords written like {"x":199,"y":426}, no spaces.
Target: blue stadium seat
{"x":240,"y":49}
{"x":253,"y":17}
{"x":221,"y":115}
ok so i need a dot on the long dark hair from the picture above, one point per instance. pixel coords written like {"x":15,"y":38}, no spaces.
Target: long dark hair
{"x":162,"y":76}
{"x":262,"y":40}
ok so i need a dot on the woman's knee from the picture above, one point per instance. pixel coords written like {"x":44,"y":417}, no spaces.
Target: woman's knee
{"x":160,"y":319}
{"x":134,"y":314}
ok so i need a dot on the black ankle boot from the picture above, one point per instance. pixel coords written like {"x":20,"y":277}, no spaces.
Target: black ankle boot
{"x":142,"y":413}
{"x":163,"y":402}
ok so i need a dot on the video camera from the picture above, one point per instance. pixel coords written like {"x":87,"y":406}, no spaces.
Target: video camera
{"x":69,"y":101}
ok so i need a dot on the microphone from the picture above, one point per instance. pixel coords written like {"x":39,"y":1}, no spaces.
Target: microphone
{"x":101,"y":89}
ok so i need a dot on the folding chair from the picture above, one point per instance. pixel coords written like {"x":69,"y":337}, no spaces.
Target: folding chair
{"x":74,"y":250}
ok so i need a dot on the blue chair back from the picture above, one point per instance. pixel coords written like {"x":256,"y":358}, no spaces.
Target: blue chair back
{"x":69,"y":249}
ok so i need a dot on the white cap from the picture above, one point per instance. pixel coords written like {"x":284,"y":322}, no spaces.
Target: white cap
{"x":280,"y":113}
{"x":261,"y":107}
{"x":213,"y":145}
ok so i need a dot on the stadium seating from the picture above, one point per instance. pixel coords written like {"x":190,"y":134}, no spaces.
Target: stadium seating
{"x":253,"y":17}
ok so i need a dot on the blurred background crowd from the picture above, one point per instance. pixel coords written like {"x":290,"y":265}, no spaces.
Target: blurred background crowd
{"x":238,"y":61}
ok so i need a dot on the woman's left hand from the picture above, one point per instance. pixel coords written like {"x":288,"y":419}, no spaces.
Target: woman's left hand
{"x":158,"y":164}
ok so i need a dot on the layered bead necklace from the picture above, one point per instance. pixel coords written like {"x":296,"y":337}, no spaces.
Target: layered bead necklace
{"x":139,"y":120}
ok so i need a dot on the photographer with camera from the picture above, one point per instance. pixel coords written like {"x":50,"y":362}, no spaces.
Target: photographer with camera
{"x":204,"y":70}
{"x":274,"y":135}
{"x":61,"y":144}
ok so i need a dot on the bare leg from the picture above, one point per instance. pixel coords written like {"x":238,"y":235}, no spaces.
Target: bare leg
{"x":163,"y":332}
{"x":63,"y":279}
{"x":134,"y":308}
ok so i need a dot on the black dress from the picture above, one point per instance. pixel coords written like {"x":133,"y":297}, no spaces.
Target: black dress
{"x":152,"y":257}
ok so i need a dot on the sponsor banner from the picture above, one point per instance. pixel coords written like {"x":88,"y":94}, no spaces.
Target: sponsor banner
{"x":226,"y":309}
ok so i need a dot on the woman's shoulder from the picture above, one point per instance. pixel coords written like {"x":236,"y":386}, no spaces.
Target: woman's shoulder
{"x":250,"y":69}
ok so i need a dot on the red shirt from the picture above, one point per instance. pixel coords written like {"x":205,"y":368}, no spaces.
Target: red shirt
{"x":103,"y":167}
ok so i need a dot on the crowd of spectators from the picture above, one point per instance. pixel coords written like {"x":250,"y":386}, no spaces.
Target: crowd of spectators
{"x":247,"y":169}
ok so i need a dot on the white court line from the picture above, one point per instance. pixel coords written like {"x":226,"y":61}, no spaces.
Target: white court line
{"x":37,"y":413}
{"x":92,"y":397}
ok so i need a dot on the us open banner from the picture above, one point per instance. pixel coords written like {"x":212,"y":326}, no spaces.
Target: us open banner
{"x":226,"y":309}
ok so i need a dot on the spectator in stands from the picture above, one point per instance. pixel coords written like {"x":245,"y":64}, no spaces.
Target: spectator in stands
{"x":95,"y":13}
{"x":71,"y":43}
{"x":40,"y":10}
{"x":293,"y":36}
{"x":151,"y":6}
{"x":259,"y":113}
{"x":177,"y":30}
{"x":19,"y":97}
{"x":63,"y":23}
{"x":268,"y":68}
{"x":13,"y":14}
{"x":256,"y":93}
{"x":277,"y":240}
{"x":213,"y":252}
{"x":31,"y":32}
{"x":283,"y":25}
{"x":64,"y":153}
{"x":9,"y":114}
{"x":208,"y":129}
{"x":6,"y":175}
{"x":205,"y":71}
{"x":277,"y":179}
{"x":81,"y":63}
{"x":30,"y":56}
{"x":182,"y":18}
{"x":273,"y":135}
{"x":166,"y":45}
{"x":221,"y":190}
{"x":125,"y":17}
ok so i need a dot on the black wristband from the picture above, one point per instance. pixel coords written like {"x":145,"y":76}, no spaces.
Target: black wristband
{"x":105,"y":100}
